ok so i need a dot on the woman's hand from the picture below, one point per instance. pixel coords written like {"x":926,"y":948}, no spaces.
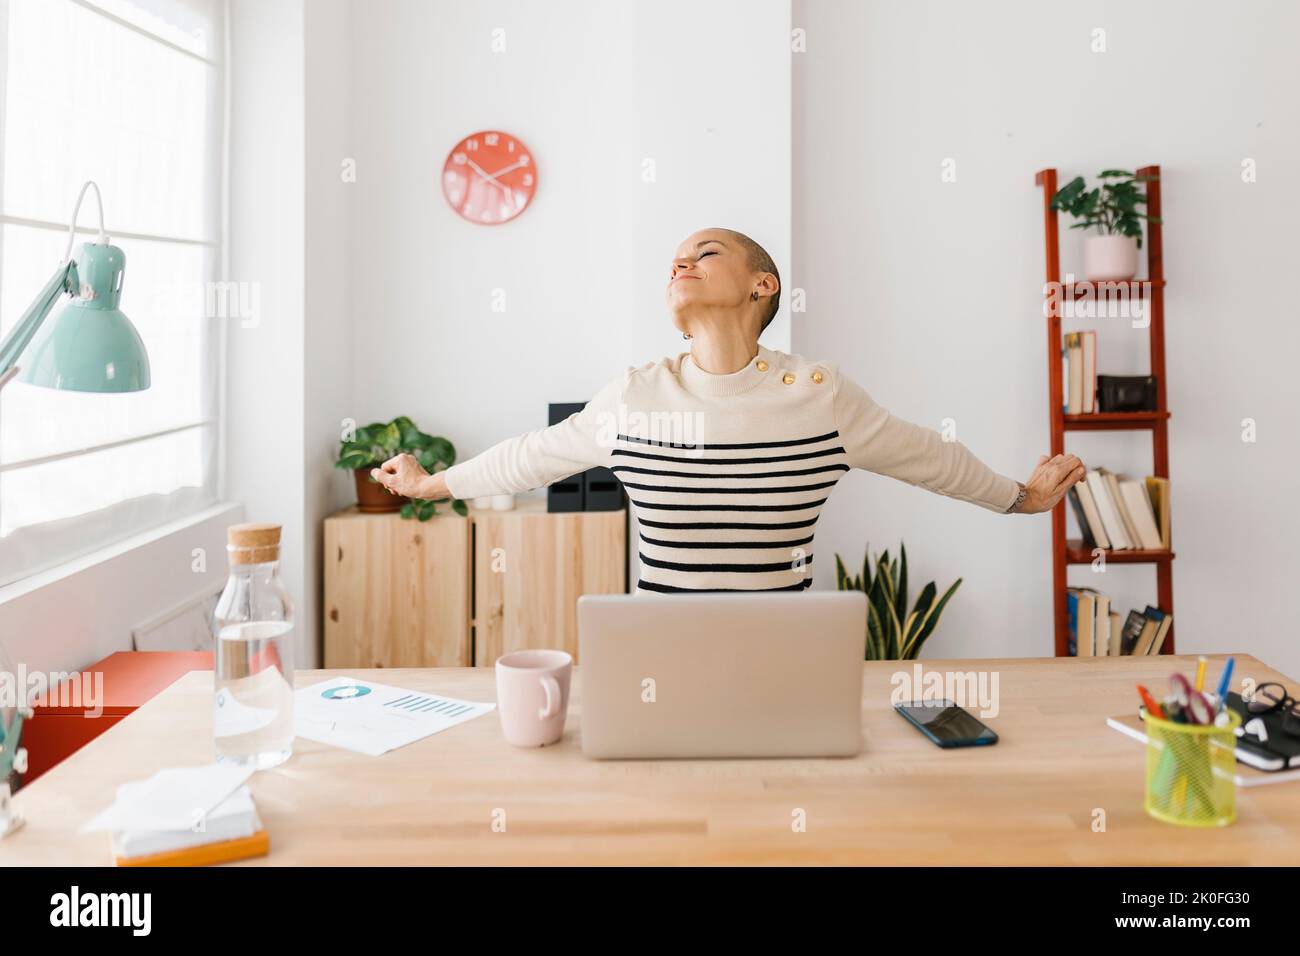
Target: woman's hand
{"x":403,"y":475}
{"x":1050,"y":481}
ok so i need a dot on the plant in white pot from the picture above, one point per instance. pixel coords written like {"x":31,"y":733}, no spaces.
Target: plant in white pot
{"x":1112,"y":209}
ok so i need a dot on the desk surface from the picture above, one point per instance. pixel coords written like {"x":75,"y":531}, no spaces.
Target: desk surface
{"x":1031,"y":799}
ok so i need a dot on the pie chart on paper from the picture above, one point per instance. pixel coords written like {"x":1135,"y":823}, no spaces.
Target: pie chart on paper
{"x":345,"y":692}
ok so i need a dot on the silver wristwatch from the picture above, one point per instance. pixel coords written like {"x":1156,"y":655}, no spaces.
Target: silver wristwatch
{"x":1020,"y":498}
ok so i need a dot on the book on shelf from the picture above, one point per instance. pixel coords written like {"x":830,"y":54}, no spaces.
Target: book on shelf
{"x":1096,"y":630}
{"x":1079,"y":372}
{"x":1132,"y":632}
{"x":1085,"y":622}
{"x":1087,"y":516}
{"x":1110,"y":519}
{"x":1112,"y":486}
{"x":1158,"y":493}
{"x":1117,"y":513}
{"x":1154,"y":630}
{"x":1138,"y":507}
{"x":1101,"y":626}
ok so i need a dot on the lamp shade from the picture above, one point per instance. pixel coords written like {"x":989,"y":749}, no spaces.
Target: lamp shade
{"x":90,"y":345}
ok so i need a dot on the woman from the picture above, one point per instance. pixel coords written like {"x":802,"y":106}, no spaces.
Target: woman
{"x":729,"y":451}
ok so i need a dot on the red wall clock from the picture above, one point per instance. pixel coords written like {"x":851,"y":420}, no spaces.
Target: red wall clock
{"x":489,"y":177}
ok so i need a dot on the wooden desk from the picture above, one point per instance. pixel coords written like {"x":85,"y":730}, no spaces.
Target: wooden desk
{"x":1028,"y":800}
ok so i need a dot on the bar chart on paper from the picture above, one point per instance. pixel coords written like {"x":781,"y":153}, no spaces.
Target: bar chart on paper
{"x":375,"y":718}
{"x":420,"y":704}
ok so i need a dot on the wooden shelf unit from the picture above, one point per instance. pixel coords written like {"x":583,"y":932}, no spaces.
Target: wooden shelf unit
{"x":456,"y":592}
{"x":1151,"y":289}
{"x":1112,"y":421}
{"x":1111,"y":289}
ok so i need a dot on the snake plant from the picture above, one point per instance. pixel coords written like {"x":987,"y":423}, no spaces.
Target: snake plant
{"x":893,"y":633}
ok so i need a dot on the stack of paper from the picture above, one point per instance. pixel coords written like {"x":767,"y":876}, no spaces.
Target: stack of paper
{"x":184,"y":815}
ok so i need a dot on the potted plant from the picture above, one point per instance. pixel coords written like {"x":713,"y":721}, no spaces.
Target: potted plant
{"x":1112,"y":209}
{"x":373,"y":445}
{"x":894,"y":634}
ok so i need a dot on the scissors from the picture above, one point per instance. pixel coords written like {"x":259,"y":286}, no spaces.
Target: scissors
{"x":1193,"y":704}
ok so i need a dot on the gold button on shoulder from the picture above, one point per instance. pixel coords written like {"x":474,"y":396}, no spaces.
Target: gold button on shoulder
{"x":817,"y":377}
{"x":762,"y":365}
{"x":788,"y":378}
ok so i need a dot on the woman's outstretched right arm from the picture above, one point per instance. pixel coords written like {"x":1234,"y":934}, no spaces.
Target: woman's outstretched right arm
{"x":532,"y":460}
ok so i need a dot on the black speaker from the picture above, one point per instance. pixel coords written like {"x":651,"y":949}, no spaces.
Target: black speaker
{"x":1126,"y":393}
{"x":596,"y":489}
{"x":602,"y":490}
{"x":568,"y":494}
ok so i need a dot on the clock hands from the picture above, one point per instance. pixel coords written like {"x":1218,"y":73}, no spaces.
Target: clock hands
{"x":514,"y":165}
{"x":492,"y":177}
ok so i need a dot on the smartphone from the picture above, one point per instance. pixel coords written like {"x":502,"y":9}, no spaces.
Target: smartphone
{"x":946,"y":724}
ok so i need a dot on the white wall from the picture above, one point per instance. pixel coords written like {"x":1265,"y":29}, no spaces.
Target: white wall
{"x":375,"y":297}
{"x":594,"y":89}
{"x":327,"y":328}
{"x":290,"y":378}
{"x":930,"y":293}
{"x":266,"y":352}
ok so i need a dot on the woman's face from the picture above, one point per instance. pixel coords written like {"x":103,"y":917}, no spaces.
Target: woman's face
{"x":709,"y":269}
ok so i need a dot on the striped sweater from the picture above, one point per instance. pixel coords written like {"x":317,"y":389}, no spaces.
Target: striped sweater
{"x":727,"y":474}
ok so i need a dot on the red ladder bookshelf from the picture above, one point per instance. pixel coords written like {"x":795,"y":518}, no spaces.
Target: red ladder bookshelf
{"x":1066,"y":553}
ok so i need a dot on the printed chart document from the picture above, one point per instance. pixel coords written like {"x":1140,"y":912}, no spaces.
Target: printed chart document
{"x":375,"y":718}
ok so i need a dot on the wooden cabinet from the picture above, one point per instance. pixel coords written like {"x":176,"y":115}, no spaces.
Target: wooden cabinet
{"x":530,"y":567}
{"x":456,"y":591}
{"x":397,"y":593}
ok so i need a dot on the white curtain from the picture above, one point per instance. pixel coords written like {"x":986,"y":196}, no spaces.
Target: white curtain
{"x":127,"y":93}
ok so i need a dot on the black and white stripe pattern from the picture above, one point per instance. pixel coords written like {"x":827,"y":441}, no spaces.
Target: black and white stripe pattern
{"x":728,"y":517}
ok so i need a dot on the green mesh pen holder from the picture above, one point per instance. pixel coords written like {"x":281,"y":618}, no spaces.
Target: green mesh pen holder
{"x":1189,"y":775}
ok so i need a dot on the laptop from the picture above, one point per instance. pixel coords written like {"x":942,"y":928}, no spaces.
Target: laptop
{"x":767,"y":674}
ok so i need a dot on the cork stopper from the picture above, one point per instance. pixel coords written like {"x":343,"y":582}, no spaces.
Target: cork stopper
{"x":253,"y":543}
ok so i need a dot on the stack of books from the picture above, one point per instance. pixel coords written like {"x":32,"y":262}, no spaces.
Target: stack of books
{"x":1117,"y":513}
{"x":1095,"y":630}
{"x":1079,"y":373}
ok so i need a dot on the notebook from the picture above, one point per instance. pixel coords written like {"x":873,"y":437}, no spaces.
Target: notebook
{"x":231,"y":831}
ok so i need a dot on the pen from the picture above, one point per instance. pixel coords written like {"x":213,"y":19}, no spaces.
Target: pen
{"x":1200,"y":673}
{"x":1152,"y":706}
{"x":1223,"y":681}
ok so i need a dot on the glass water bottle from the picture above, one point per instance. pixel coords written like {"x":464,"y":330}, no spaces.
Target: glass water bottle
{"x":253,"y":632}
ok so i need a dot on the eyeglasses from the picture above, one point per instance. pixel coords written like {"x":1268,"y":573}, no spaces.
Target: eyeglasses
{"x":1272,"y":697}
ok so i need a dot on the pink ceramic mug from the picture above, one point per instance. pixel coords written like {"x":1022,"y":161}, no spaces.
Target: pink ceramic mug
{"x":533,"y":696}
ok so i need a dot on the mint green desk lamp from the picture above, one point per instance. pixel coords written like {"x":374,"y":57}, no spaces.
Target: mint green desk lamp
{"x":89,"y":347}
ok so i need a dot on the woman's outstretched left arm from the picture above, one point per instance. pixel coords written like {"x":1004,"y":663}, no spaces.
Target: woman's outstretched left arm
{"x":878,"y":441}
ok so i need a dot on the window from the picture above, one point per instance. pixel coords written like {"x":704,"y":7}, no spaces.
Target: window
{"x":127,"y":93}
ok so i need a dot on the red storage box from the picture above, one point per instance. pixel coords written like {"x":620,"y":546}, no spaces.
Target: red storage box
{"x":60,"y":726}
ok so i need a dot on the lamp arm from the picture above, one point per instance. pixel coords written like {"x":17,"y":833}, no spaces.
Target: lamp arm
{"x":63,"y":280}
